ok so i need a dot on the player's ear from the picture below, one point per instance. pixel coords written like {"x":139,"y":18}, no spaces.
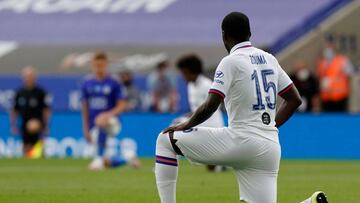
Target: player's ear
{"x":224,"y":35}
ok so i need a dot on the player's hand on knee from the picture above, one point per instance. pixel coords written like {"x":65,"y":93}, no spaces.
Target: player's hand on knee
{"x":102,"y":120}
{"x":179,"y":127}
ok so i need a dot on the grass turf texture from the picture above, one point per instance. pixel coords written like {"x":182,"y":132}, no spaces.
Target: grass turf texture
{"x":56,"y":180}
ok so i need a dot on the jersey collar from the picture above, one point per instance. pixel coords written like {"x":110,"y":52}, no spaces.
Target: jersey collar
{"x":241,"y":45}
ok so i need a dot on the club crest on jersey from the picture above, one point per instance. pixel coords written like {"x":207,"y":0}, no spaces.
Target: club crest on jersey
{"x":106,"y":89}
{"x":219,"y":74}
{"x":265,"y":117}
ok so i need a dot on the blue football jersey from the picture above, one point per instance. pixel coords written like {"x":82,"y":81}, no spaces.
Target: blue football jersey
{"x":101,"y":95}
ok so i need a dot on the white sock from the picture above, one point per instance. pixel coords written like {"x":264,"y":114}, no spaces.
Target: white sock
{"x":166,"y":169}
{"x":166,"y":176}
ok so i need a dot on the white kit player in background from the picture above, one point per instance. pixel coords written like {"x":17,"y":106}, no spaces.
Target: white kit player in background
{"x":198,"y":85}
{"x":248,"y":80}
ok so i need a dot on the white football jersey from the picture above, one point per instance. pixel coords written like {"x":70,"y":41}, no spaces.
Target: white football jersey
{"x":250,"y":79}
{"x":197,"y":94}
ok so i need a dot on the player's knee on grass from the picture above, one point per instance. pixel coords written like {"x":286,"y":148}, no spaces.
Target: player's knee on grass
{"x":164,"y":147}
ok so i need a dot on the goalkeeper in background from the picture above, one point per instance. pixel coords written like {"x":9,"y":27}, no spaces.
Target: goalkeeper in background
{"x":102,"y":102}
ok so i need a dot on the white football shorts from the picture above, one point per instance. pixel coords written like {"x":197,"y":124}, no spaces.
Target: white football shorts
{"x":255,"y":159}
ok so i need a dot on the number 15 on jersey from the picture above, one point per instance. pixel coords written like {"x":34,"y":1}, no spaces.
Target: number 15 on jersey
{"x":269,"y":87}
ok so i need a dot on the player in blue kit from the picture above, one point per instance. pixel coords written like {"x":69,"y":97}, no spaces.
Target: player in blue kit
{"x":102,"y":102}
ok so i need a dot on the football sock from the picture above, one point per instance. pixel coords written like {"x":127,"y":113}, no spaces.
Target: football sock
{"x":166,"y":169}
{"x":166,"y":176}
{"x":101,"y":143}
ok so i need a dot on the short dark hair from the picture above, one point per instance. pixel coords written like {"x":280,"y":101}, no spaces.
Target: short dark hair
{"x":100,"y":55}
{"x":190,"y":62}
{"x":237,"y":26}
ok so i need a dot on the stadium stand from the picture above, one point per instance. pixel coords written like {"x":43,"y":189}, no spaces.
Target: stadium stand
{"x":345,"y":32}
{"x":34,"y":29}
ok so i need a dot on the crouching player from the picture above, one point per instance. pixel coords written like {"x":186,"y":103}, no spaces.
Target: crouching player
{"x":248,"y":80}
{"x":102,"y":102}
{"x":198,"y":86}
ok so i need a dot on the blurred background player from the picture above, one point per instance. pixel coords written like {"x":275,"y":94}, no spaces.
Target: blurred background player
{"x":30,"y":105}
{"x":102,"y":101}
{"x":307,"y":85}
{"x":198,"y":85}
{"x":130,"y":90}
{"x":334,"y":71}
{"x":162,"y":89}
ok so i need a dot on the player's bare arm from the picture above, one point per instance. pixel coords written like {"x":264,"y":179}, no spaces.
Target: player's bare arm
{"x":205,"y":111}
{"x":46,"y":113}
{"x":13,"y":118}
{"x":85,"y":119}
{"x":292,"y":101}
{"x":46,"y":116}
{"x":119,"y":108}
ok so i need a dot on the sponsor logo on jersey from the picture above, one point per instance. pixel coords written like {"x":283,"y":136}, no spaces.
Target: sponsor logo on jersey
{"x":98,"y":103}
{"x":219,"y":81}
{"x":219,"y":74}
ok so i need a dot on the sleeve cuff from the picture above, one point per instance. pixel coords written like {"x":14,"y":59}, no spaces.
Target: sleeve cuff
{"x":287,"y":88}
{"x":217,"y":92}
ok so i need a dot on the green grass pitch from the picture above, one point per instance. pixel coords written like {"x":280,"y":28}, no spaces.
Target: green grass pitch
{"x":68,"y":180}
